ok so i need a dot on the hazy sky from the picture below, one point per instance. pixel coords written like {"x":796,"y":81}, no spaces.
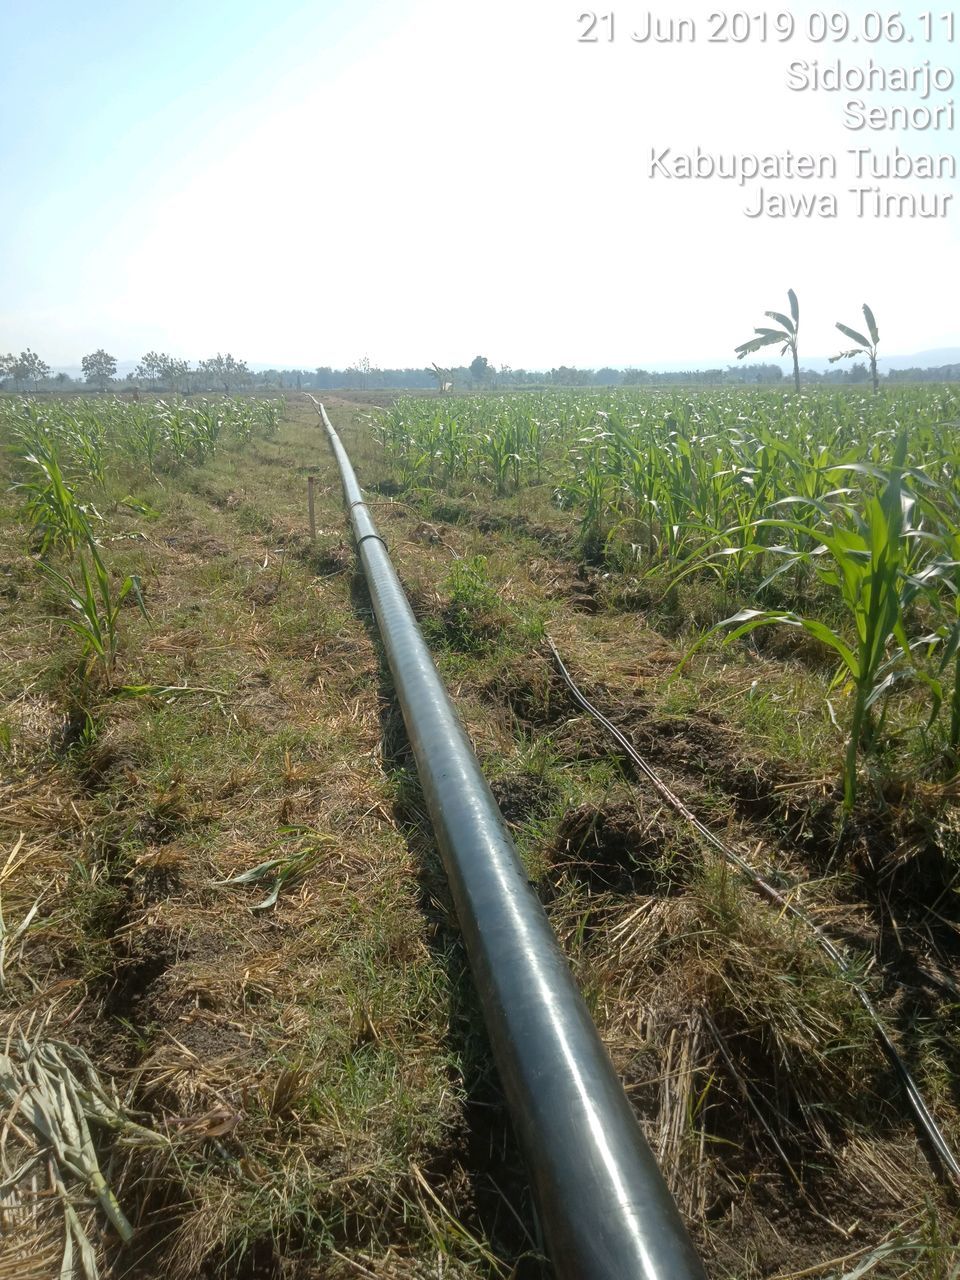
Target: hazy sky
{"x":306,"y":183}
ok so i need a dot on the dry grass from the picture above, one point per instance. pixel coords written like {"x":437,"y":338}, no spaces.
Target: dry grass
{"x":53,"y":1101}
{"x":750,"y":1059}
{"x":314,"y":1070}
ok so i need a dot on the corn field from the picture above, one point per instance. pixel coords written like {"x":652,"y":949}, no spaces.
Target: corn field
{"x":837,"y":515}
{"x":65,"y":457}
{"x":89,"y":435}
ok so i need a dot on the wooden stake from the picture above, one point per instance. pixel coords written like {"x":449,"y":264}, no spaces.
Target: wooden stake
{"x":310,"y":509}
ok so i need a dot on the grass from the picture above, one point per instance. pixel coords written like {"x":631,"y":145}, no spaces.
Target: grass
{"x":316,"y":1067}
{"x":750,"y":491}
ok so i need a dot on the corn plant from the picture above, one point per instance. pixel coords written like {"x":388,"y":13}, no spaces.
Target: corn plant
{"x":93,"y":437}
{"x":144,"y":438}
{"x":864,"y":557}
{"x":85,"y":437}
{"x":590,"y":493}
{"x":94,"y":602}
{"x":939,"y":579}
{"x":749,"y":487}
{"x":52,"y":508}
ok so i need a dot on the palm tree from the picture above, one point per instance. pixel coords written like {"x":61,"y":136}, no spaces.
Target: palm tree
{"x":788,"y":335}
{"x":865,"y":346}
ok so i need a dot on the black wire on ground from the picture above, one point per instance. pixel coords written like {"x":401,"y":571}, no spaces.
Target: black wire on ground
{"x":931,"y":1130}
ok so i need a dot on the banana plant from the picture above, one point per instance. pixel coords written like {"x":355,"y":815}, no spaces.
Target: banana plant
{"x":865,"y":346}
{"x":787,"y":336}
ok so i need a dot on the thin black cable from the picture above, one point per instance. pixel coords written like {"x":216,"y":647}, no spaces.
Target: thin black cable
{"x":918,"y":1105}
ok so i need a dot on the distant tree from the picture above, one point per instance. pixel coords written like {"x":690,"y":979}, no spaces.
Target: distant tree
{"x":175,"y":373}
{"x":753,"y":373}
{"x":941,"y":373}
{"x":788,"y":334}
{"x":480,"y":369}
{"x":63,"y":380}
{"x":865,"y":346}
{"x":163,"y":370}
{"x":28,"y":367}
{"x":7,"y":363}
{"x":151,"y":367}
{"x":99,"y":367}
{"x":444,"y":381}
{"x":225,"y":371}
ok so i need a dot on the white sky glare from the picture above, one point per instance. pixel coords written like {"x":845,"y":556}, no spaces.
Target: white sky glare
{"x":302,"y":184}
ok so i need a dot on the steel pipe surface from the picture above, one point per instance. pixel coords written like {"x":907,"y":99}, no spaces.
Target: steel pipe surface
{"x":605,"y":1210}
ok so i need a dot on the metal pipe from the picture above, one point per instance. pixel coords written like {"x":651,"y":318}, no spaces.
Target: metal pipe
{"x":605,"y":1209}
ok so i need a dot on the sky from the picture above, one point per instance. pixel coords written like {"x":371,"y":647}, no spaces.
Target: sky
{"x":305,"y":184}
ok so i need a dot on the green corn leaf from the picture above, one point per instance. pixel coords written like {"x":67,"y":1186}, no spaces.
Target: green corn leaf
{"x":132,"y":585}
{"x":253,"y":874}
{"x":140,"y":507}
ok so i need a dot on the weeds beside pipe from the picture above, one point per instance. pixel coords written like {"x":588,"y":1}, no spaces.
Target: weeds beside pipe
{"x":926,"y":1123}
{"x":605,"y":1210}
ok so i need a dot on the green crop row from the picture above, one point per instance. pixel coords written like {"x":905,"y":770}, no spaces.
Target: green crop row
{"x":157,"y":435}
{"x":833,"y":513}
{"x":64,"y":455}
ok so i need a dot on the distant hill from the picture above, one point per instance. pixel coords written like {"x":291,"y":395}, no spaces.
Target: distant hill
{"x":922,"y":360}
